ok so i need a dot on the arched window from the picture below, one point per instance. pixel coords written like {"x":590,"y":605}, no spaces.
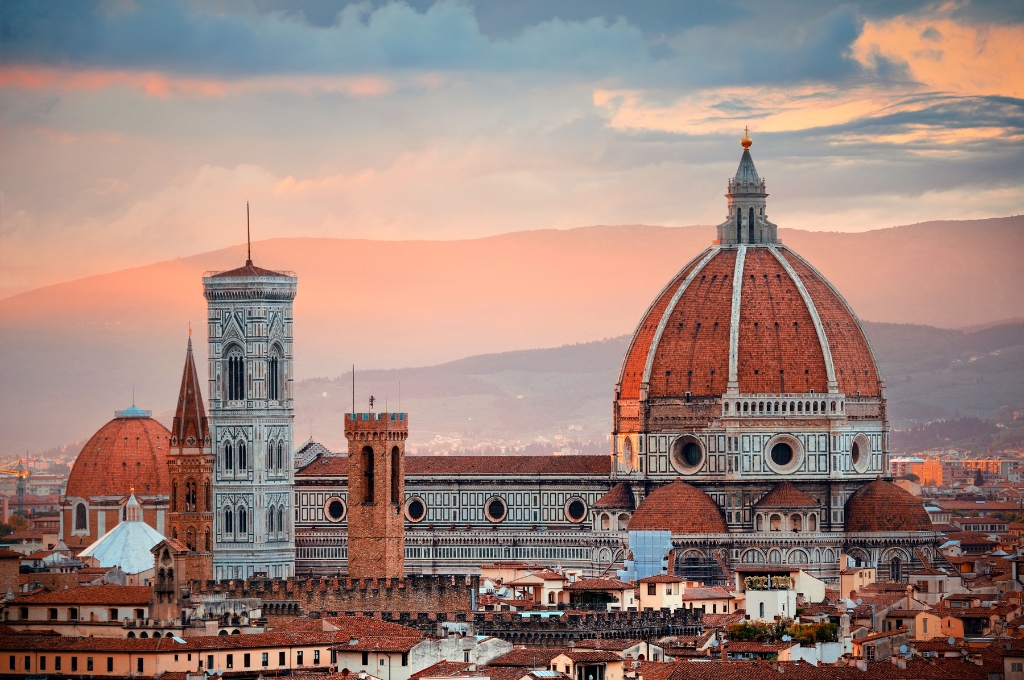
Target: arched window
{"x":274,"y":376}
{"x":206,"y":496}
{"x":243,"y":460}
{"x":896,"y":569}
{"x":190,"y":496}
{"x":270,"y":520}
{"x":800,"y":407}
{"x":551,"y":598}
{"x":280,"y":455}
{"x":739,"y":225}
{"x":236,"y":375}
{"x":243,"y":521}
{"x":206,"y":540}
{"x":833,"y":407}
{"x":280,"y":521}
{"x":174,"y":496}
{"x":81,"y":517}
{"x":229,"y":521}
{"x":190,"y":538}
{"x":229,"y":456}
{"x":750,"y":224}
{"x":775,"y":523}
{"x":605,"y":523}
{"x":812,"y":522}
{"x":759,"y":522}
{"x":396,"y":474}
{"x":367,"y":474}
{"x":796,"y":523}
{"x":815,"y":407}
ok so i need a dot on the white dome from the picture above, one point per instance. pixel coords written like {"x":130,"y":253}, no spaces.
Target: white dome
{"x":127,"y":545}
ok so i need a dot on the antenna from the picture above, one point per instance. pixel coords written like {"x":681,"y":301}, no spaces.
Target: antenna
{"x":353,"y":388}
{"x":248,"y":238}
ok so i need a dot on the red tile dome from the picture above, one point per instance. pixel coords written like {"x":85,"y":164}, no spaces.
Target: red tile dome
{"x":682,"y":343}
{"x":129,"y":451}
{"x":884,"y":507}
{"x":680,"y":508}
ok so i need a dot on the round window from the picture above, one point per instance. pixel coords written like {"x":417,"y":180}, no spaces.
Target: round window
{"x":335,"y":509}
{"x":782,"y":454}
{"x":575,"y":510}
{"x":495,"y":509}
{"x":687,"y":454}
{"x":415,"y":509}
{"x":860,"y":454}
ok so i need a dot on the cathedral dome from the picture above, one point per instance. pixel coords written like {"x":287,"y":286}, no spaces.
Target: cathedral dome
{"x":794,"y":332}
{"x":129,"y":451}
{"x":884,"y":507}
{"x":681,"y":509}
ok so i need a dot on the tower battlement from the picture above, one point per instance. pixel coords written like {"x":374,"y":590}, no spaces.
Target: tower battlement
{"x":370,"y":426}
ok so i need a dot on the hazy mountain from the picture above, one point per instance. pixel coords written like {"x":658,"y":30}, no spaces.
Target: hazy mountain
{"x":72,"y":352}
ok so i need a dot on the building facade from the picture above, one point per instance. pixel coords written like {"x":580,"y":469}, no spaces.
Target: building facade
{"x":251,"y":420}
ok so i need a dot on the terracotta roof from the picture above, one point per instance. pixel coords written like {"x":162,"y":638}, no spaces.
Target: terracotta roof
{"x":880,"y":506}
{"x":248,"y":269}
{"x":124,"y":453}
{"x":743,"y":646}
{"x":619,"y":497}
{"x":615,"y":644}
{"x":477,"y":465}
{"x":786,"y":495}
{"x":442,"y":669}
{"x":715,"y":593}
{"x":9,"y":554}
{"x":528,"y":658}
{"x":91,"y":595}
{"x":593,"y":657}
{"x":190,"y":424}
{"x":722,"y":620}
{"x":779,"y":350}
{"x":597,"y":584}
{"x":661,"y":578}
{"x":681,"y":509}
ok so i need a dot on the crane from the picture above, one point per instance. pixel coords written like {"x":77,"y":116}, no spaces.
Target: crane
{"x":21,"y":473}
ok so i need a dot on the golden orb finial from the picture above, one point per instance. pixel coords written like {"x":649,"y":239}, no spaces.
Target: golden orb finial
{"x":746,"y":141}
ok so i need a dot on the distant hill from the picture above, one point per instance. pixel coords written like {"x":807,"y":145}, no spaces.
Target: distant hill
{"x":73,"y":352}
{"x":931,"y":373}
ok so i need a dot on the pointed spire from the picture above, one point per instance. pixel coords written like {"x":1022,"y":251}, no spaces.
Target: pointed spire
{"x":746,"y":172}
{"x":190,"y":427}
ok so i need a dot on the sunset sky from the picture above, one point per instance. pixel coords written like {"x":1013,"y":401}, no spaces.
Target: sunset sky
{"x":134,"y":132}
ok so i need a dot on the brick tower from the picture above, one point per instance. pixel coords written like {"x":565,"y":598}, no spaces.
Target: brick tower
{"x":190,"y":471}
{"x":376,"y":494}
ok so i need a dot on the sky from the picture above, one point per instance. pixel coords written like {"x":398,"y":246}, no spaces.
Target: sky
{"x":134,"y":132}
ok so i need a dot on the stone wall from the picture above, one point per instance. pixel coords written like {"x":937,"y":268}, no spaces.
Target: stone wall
{"x":337,"y":595}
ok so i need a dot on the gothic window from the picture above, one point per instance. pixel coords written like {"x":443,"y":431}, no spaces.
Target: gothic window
{"x":274,"y":376}
{"x":367,"y":474}
{"x":206,"y":540}
{"x":190,"y":496}
{"x":243,"y":521}
{"x":81,"y":519}
{"x":243,"y":462}
{"x":174,"y":496}
{"x":229,"y":521}
{"x":396,"y":477}
{"x":739,"y":225}
{"x":236,"y":375}
{"x":174,"y":533}
{"x":206,"y":496}
{"x":750,"y":225}
{"x":280,"y":520}
{"x":270,"y":520}
{"x":229,"y":456}
{"x":280,"y":455}
{"x":190,"y":538}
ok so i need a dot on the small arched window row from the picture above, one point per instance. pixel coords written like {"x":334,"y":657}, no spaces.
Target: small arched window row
{"x":235,"y":457}
{"x":784,"y":407}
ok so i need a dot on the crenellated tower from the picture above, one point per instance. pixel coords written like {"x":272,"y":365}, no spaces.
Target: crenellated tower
{"x":190,"y":472}
{"x":376,"y":494}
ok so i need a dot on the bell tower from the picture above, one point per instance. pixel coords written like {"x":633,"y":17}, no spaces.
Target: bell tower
{"x":190,"y":471}
{"x":376,"y":494}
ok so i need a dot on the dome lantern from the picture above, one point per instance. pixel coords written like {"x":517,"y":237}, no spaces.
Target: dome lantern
{"x":746,"y":222}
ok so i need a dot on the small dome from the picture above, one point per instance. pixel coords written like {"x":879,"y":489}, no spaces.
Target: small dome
{"x":128,"y":545}
{"x":786,"y":495}
{"x":681,"y":509}
{"x":129,"y":451}
{"x":884,"y":507}
{"x":619,"y":497}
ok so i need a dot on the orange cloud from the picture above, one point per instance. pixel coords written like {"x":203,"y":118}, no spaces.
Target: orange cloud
{"x":158,"y":84}
{"x":949,"y":56}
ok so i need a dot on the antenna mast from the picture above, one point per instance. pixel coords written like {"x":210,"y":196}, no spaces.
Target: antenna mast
{"x":248,"y":238}
{"x":353,"y":388}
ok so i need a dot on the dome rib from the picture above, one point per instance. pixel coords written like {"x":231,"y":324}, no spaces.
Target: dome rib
{"x":734,"y":317}
{"x":679,"y":508}
{"x":826,"y":352}
{"x":132,"y":452}
{"x":709,"y":254}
